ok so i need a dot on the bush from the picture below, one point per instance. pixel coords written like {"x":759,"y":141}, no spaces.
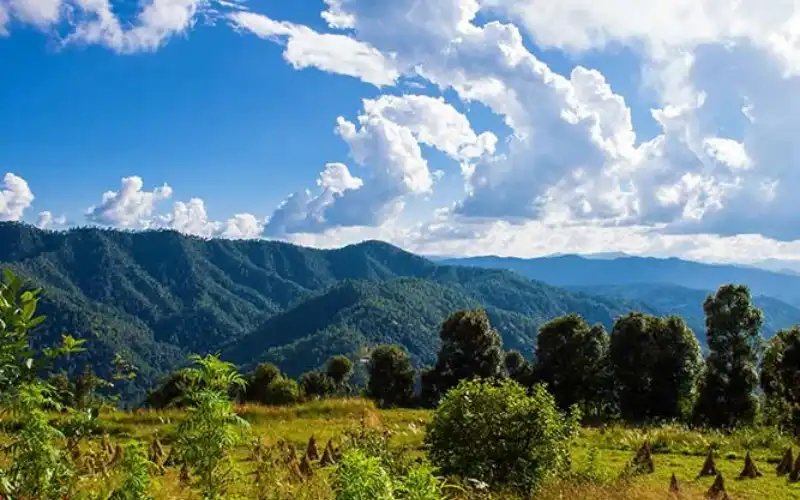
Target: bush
{"x":497,"y":433}
{"x":359,"y":477}
{"x":283,"y":391}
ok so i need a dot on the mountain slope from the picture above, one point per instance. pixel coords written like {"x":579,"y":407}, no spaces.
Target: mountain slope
{"x":157,"y":296}
{"x":573,"y":270}
{"x":688,"y":303}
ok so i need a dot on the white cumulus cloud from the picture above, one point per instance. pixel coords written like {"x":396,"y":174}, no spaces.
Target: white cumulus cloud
{"x":15,"y":197}
{"x":47,"y":220}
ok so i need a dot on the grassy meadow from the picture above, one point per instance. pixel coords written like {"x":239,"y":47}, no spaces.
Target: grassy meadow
{"x":598,"y":455}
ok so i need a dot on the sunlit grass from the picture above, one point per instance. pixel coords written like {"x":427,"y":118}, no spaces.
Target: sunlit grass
{"x":675,"y":450}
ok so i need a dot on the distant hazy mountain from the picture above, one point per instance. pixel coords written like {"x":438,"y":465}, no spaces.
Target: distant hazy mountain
{"x":688,"y":303}
{"x":573,"y":270}
{"x":779,"y":266}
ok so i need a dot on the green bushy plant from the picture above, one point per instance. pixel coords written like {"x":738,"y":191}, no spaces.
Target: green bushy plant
{"x":361,"y":477}
{"x":496,"y":432}
{"x":135,"y":469}
{"x":212,"y":428}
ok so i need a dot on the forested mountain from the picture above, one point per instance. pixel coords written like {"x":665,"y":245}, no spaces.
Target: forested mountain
{"x":574,"y":270}
{"x":156,"y":296}
{"x":688,"y":303}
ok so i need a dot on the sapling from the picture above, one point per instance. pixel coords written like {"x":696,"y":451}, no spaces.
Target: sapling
{"x":212,"y":428}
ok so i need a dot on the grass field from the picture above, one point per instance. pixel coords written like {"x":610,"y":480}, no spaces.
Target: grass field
{"x":599,"y":455}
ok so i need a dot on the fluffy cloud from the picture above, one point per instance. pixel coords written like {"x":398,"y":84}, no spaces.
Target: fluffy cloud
{"x":15,"y":197}
{"x":47,"y":220}
{"x":328,"y":52}
{"x":132,"y":207}
{"x":386,"y":144}
{"x":722,"y":71}
{"x":95,"y":22}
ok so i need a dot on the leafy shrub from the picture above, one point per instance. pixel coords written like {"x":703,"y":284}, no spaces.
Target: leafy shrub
{"x":136,"y":474}
{"x":419,"y":484}
{"x":283,"y":391}
{"x":318,"y":385}
{"x":497,"y":433}
{"x":211,"y":428}
{"x":360,"y":477}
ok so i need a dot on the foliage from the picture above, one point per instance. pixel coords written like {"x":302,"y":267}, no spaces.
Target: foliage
{"x":136,"y":474}
{"x":780,"y":378}
{"x":158,"y":296}
{"x":655,"y":362}
{"x":283,"y":391}
{"x":339,"y":368}
{"x":571,"y":358}
{"x":259,"y":380}
{"x":471,"y":348}
{"x":733,"y":326}
{"x":317,"y":384}
{"x":496,"y":432}
{"x":391,"y":376}
{"x":360,"y":477}
{"x":171,"y":392}
{"x":211,"y":428}
{"x":419,"y":484}
{"x":517,"y":367}
{"x":39,"y":467}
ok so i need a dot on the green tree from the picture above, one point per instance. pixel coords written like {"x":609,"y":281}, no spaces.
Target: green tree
{"x":470,"y":348}
{"x":283,"y":391}
{"x":571,"y":360}
{"x":259,"y":380}
{"x":170,"y":393}
{"x":211,"y":429}
{"x":39,"y":468}
{"x":655,"y":363}
{"x":391,"y":376}
{"x":317,"y":384}
{"x":496,"y":432}
{"x":780,"y":378}
{"x":339,"y":369}
{"x":733,"y":330}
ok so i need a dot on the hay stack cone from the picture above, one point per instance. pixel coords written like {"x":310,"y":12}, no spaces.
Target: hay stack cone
{"x":795,"y":474}
{"x":786,"y":464}
{"x":311,"y":451}
{"x":305,"y":467}
{"x":107,"y":446}
{"x":750,"y":470}
{"x":327,"y":456}
{"x":643,"y":460}
{"x":717,"y":490}
{"x":185,"y":477}
{"x":291,"y":453}
{"x":116,"y":458}
{"x":709,"y":467}
{"x":294,"y":471}
{"x":156,"y":452}
{"x":674,"y":487}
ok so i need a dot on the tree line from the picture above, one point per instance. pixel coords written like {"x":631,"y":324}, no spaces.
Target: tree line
{"x":647,"y":369}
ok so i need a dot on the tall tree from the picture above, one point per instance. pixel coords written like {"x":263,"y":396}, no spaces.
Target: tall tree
{"x":571,"y":360}
{"x":391,"y":376}
{"x":339,"y":368}
{"x":655,"y":363}
{"x":780,"y":377}
{"x":733,"y":330}
{"x":517,"y":367}
{"x":471,"y":348}
{"x":259,"y":380}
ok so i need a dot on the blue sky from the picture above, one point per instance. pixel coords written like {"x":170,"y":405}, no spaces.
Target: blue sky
{"x":467,"y":127}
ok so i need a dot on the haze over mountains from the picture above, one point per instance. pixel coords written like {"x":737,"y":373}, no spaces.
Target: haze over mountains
{"x":157,"y":296}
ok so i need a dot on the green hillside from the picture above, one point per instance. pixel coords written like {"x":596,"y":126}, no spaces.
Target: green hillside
{"x":156,"y":296}
{"x":688,"y":303}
